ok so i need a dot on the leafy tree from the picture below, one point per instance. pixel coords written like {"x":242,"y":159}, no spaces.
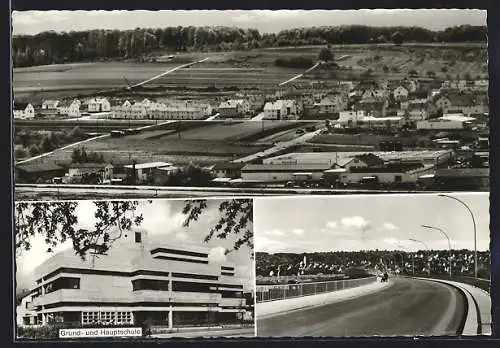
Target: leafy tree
{"x":326,"y":55}
{"x":397,"y":38}
{"x":431,"y":74}
{"x":34,"y":150}
{"x":20,"y":294}
{"x":236,"y":219}
{"x":57,"y":223}
{"x":20,"y":152}
{"x":413,"y":73}
{"x":386,"y":69}
{"x":46,"y":144}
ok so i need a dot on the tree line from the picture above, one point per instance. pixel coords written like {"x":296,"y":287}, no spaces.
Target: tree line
{"x":54,"y":48}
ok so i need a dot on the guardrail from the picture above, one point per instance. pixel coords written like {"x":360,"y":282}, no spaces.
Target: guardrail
{"x":240,"y":190}
{"x":266,"y":293}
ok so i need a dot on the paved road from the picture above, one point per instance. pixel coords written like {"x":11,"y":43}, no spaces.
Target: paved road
{"x":409,"y":307}
{"x":280,"y":146}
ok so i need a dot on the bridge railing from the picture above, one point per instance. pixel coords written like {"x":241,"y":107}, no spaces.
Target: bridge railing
{"x":266,"y":293}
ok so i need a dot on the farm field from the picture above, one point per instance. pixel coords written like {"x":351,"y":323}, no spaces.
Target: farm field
{"x":203,"y":145}
{"x":367,"y":139}
{"x":255,"y":68}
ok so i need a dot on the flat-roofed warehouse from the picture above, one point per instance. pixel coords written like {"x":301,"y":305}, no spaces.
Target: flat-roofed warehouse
{"x":425,"y":156}
{"x":136,"y":281}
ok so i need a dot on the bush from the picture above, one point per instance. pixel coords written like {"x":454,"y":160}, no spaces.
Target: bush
{"x":51,"y":331}
{"x":294,"y":62}
{"x":20,"y":151}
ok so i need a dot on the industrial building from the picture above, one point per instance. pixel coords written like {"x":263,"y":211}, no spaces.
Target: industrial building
{"x":425,"y":156}
{"x":136,"y":281}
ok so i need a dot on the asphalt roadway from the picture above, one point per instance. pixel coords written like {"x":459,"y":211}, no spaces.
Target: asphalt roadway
{"x":409,"y":307}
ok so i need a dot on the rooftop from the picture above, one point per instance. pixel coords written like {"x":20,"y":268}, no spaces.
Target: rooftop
{"x":39,"y":167}
{"x":286,"y":167}
{"x":149,"y":165}
{"x":461,"y":172}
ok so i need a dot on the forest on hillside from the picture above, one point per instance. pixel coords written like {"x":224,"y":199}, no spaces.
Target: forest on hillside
{"x":100,"y":45}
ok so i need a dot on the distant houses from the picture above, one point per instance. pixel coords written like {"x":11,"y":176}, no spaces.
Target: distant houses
{"x":174,"y":110}
{"x":70,"y":108}
{"x":281,"y":110}
{"x":23,"y":111}
{"x":234,"y":108}
{"x":98,"y":105}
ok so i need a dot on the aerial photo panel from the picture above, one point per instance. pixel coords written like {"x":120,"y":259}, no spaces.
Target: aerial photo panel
{"x":114,"y":104}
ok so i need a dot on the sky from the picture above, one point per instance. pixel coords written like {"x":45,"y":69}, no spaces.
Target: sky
{"x":384,"y":222}
{"x":33,"y":22}
{"x":163,"y":221}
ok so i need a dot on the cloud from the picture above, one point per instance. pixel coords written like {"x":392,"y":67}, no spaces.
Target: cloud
{"x":391,"y":241}
{"x":356,"y":222}
{"x":217,"y":255}
{"x":332,"y":225}
{"x":389,"y":226}
{"x":298,"y":232}
{"x":182,"y":236}
{"x":274,"y":232}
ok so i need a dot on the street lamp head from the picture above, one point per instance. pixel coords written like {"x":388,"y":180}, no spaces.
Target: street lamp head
{"x":427,"y":226}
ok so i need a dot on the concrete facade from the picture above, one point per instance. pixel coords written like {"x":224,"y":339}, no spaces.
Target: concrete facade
{"x":135,"y":282}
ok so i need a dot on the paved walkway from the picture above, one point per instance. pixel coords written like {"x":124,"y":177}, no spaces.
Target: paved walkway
{"x":482,"y":299}
{"x":280,"y":146}
{"x":272,"y":308}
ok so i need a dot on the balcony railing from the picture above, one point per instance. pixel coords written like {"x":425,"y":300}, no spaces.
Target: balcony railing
{"x":266,"y":293}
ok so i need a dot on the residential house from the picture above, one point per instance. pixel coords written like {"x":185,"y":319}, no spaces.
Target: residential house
{"x":234,"y":108}
{"x":330,"y":104}
{"x":400,"y":93}
{"x":50,"y":105}
{"x":411,"y":85}
{"x":143,"y":171}
{"x":362,"y":120}
{"x":228,"y":169}
{"x":179,"y":111}
{"x":280,"y":109}
{"x":23,"y":110}
{"x":374,"y":106}
{"x":346,"y":86}
{"x":99,"y":172}
{"x":70,"y":108}
{"x":98,"y":105}
{"x":414,"y":114}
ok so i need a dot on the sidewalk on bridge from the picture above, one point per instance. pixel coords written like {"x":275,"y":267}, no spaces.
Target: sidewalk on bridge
{"x":272,"y":308}
{"x":483,"y":301}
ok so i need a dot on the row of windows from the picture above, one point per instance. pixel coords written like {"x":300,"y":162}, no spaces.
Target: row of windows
{"x":63,"y":283}
{"x":89,"y":318}
{"x":162,"y":285}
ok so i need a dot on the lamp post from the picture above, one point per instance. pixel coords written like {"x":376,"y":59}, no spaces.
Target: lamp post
{"x":427,"y":248}
{"x":412,"y":259}
{"x":473,"y":222}
{"x":448,"y":238}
